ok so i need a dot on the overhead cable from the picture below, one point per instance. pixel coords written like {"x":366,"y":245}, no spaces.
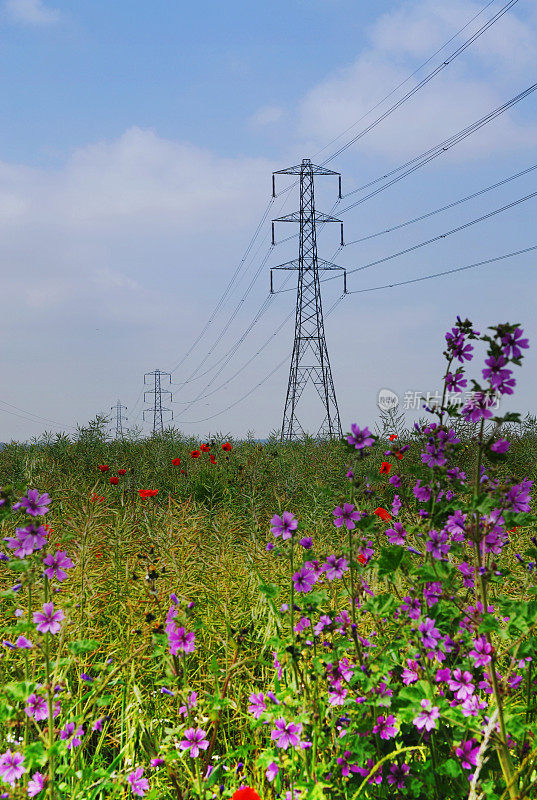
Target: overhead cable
{"x":447,"y":271}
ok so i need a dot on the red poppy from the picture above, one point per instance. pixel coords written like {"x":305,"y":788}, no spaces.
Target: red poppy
{"x":226,"y":446}
{"x":398,"y":455}
{"x":393,"y":436}
{"x":147,"y":492}
{"x":205,"y":448}
{"x":513,"y":529}
{"x":114,"y":481}
{"x":361,"y":558}
{"x":385,"y":467}
{"x":195,"y":454}
{"x":213,"y":460}
{"x":104,"y":467}
{"x":122,"y":472}
{"x":383,"y":514}
{"x":176,"y":462}
{"x":182,"y":472}
{"x":245,"y":794}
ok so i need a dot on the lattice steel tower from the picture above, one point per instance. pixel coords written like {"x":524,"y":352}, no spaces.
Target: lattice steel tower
{"x":310,"y":354}
{"x":119,"y":419}
{"x":158,"y":408}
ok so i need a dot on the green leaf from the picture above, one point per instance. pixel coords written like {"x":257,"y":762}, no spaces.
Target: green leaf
{"x":21,"y":565}
{"x":82,"y":646}
{"x":271,"y":590}
{"x":450,"y":767}
{"x":390,"y":559}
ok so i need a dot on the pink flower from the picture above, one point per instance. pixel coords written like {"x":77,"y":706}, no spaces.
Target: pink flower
{"x":257,"y":705}
{"x":481,"y":652}
{"x":48,"y":620}
{"x":386,"y":727}
{"x":36,"y":784}
{"x":139,"y":785}
{"x":427,"y":718}
{"x":194,"y":741}
{"x":285,"y":734}
{"x":461,"y":683}
{"x":11,"y":768}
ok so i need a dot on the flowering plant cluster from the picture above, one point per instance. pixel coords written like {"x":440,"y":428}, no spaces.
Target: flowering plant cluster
{"x":424,"y":685}
{"x":401,"y":664}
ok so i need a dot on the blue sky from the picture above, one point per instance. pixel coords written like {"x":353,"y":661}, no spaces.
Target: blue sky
{"x":136,"y":152}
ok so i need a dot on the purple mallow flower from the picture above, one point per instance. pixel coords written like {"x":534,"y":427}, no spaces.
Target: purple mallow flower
{"x":285,"y":734}
{"x":385,"y":727}
{"x":427,"y":718}
{"x":57,"y":563}
{"x":34,"y":504}
{"x":481,"y":652}
{"x":335,"y":567}
{"x":396,"y":535}
{"x":501,"y":446}
{"x":48,"y":620}
{"x":438,"y":543}
{"x":283,"y":526}
{"x":512,"y":344}
{"x":421,"y":493}
{"x":398,"y":774}
{"x":11,"y":768}
{"x":27,"y":540}
{"x":304,"y":580}
{"x":139,"y":785}
{"x":455,"y":382}
{"x":461,"y":684}
{"x":36,"y":784}
{"x":194,"y":741}
{"x":430,"y":634}
{"x":180,"y":640}
{"x":346,"y":516}
{"x":360,"y":438}
{"x":257,"y":704}
{"x":467,"y":752}
{"x":477,"y":407}
{"x":71,"y":735}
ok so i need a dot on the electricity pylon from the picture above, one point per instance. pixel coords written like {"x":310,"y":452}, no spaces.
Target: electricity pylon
{"x":157,"y":407}
{"x":310,"y":354}
{"x":119,"y":419}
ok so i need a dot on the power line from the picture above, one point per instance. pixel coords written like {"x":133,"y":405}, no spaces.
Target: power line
{"x":422,"y":83}
{"x":286,"y":359}
{"x":204,"y":394}
{"x":228,"y":289}
{"x":427,"y":78}
{"x":405,"y":80}
{"x":433,"y":239}
{"x":434,"y":152}
{"x":447,"y":271}
{"x":443,"y":208}
{"x":31,"y":414}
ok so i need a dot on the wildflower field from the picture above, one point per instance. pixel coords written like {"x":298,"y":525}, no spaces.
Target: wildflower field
{"x":319,"y":619}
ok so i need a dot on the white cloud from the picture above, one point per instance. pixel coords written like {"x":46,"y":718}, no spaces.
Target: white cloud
{"x":120,"y":221}
{"x":31,"y":12}
{"x":266,"y":115}
{"x":489,"y":73}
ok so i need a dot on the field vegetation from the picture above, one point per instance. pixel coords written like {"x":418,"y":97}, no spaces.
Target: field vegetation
{"x":319,"y":619}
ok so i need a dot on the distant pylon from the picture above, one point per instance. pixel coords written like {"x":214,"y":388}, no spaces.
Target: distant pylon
{"x":119,"y":419}
{"x":157,"y":407}
{"x":309,"y":325}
